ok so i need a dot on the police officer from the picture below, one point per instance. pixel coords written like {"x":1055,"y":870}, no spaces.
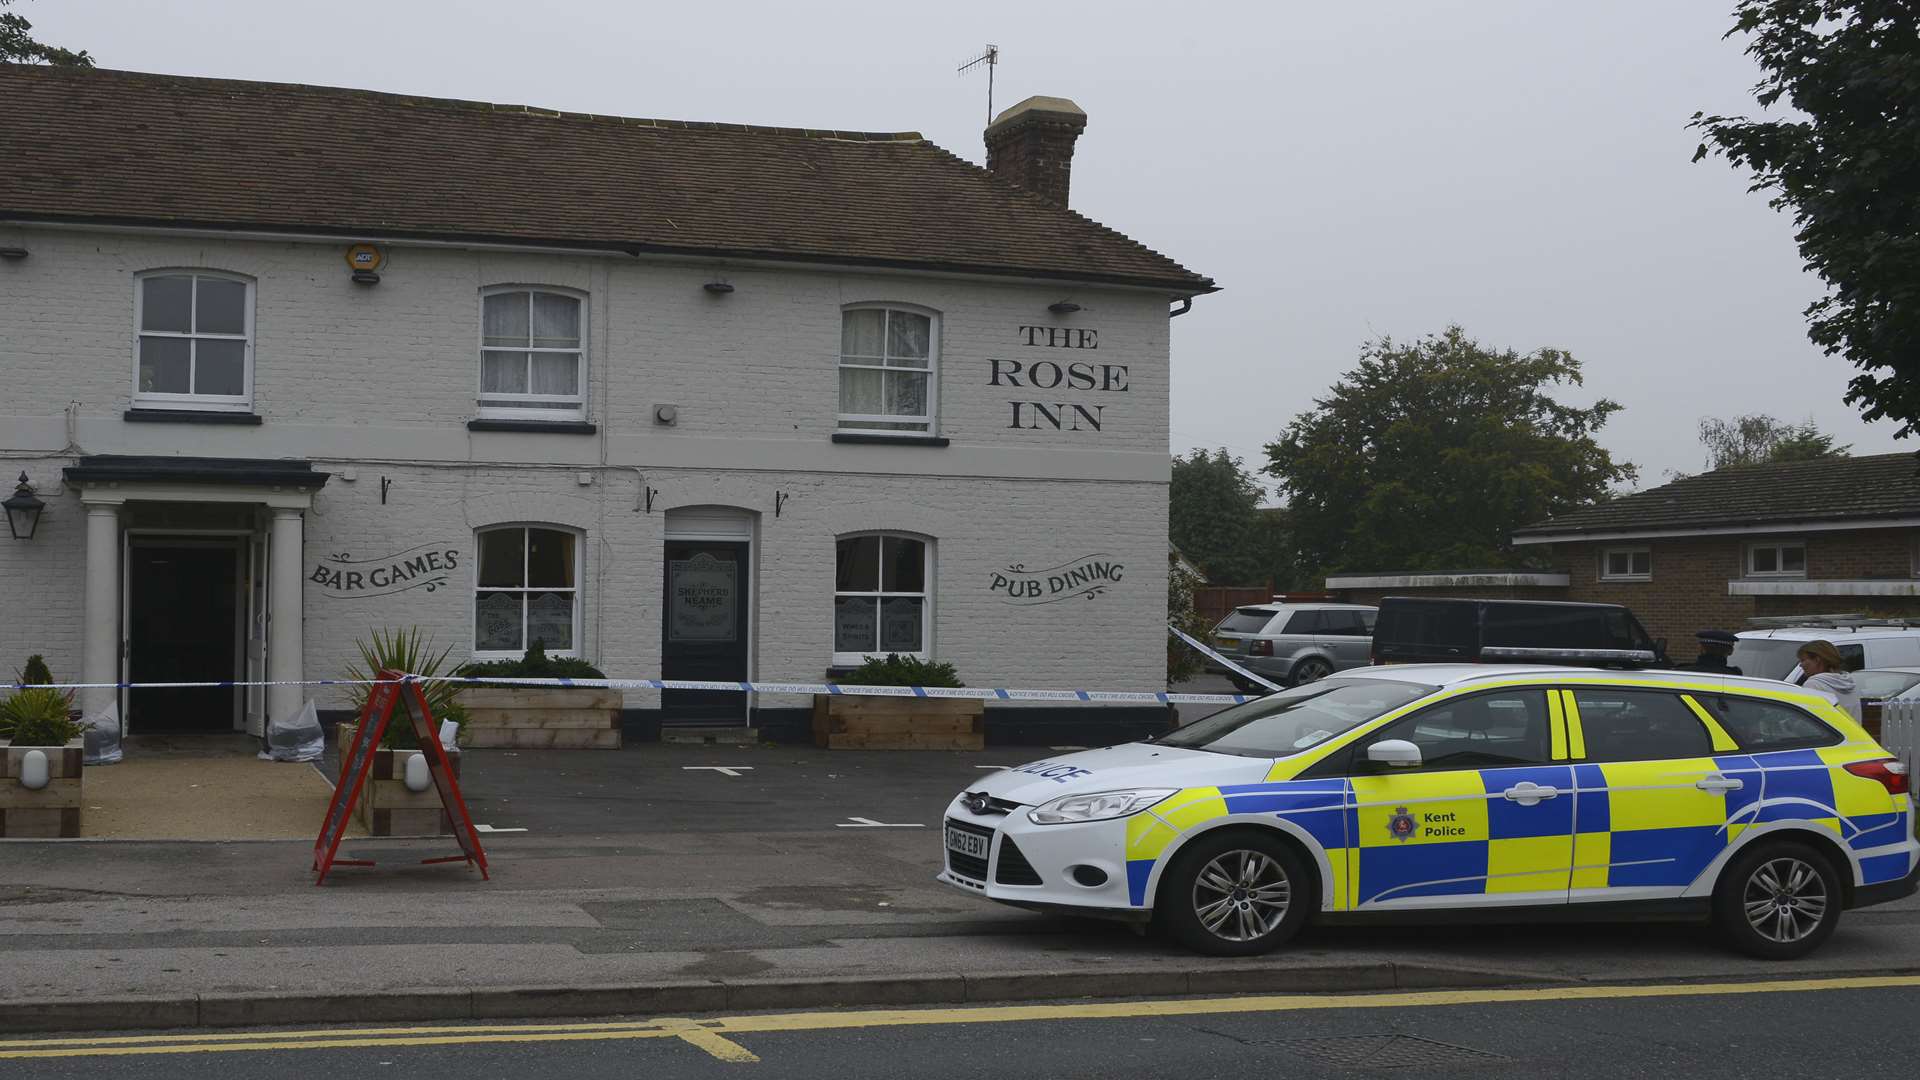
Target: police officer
{"x":1715,"y":647}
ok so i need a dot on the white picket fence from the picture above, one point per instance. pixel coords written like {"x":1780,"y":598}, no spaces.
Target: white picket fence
{"x":1900,"y":729}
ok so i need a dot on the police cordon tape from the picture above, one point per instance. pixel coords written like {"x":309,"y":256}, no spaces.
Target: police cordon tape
{"x":1111,"y":697}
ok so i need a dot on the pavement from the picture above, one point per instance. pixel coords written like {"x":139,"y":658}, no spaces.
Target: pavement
{"x":196,"y":787}
{"x":671,"y":879}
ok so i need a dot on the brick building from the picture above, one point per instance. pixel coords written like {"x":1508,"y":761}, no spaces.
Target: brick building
{"x":1714,"y":550}
{"x":290,"y":363}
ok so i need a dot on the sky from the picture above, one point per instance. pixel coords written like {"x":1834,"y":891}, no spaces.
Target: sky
{"x":1343,"y":171}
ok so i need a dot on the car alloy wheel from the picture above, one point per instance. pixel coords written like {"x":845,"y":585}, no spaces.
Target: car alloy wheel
{"x":1242,"y":896}
{"x":1307,"y":671}
{"x":1785,"y":900}
{"x":1778,"y":899}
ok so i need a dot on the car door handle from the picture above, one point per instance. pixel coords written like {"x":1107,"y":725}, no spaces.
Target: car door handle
{"x":1720,"y":784}
{"x":1528,"y":793}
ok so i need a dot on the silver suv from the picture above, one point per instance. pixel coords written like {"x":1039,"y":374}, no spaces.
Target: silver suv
{"x":1294,"y":643}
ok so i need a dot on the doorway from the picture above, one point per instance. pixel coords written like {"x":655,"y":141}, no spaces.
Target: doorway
{"x":183,"y":625}
{"x":704,"y":632}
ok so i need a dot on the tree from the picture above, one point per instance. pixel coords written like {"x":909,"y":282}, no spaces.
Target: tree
{"x":1844,"y":165}
{"x":1213,"y":517}
{"x":18,"y":46}
{"x":1427,"y":456}
{"x":1760,"y":439}
{"x":1183,"y":660}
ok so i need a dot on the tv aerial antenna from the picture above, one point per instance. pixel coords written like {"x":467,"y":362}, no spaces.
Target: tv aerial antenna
{"x":991,"y":58}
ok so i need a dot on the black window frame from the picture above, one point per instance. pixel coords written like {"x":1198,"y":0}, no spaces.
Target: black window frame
{"x":1716,"y":704}
{"x":1675,"y":696}
{"x":1356,"y":758}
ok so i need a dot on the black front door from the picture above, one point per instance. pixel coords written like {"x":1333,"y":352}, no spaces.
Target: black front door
{"x":704,"y":635}
{"x":182,"y":626}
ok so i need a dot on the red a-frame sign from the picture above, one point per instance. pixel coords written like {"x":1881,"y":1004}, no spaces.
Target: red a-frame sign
{"x":393,"y":689}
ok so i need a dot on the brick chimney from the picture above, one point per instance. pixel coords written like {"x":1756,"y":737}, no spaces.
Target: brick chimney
{"x":1031,"y":144}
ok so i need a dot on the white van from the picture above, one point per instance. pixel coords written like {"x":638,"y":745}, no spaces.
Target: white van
{"x":1773,"y":654}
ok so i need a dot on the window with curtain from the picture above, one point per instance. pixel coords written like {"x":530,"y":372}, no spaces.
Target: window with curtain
{"x":880,"y":598}
{"x":532,"y":354}
{"x":195,"y":341}
{"x":526,"y":589}
{"x":888,"y":357}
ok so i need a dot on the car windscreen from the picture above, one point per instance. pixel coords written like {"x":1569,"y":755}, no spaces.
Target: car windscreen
{"x":1246,"y":620}
{"x":1290,"y":721}
{"x":1881,"y":685}
{"x":1768,"y":658}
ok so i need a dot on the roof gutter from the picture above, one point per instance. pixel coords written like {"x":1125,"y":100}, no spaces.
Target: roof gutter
{"x":733,"y":256}
{"x":1759,"y":528}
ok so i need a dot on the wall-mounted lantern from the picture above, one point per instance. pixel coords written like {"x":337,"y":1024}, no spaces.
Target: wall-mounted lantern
{"x":23,"y":510}
{"x":1063,"y":307}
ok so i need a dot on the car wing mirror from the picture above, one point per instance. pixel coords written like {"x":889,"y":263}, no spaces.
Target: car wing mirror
{"x":1396,"y":753}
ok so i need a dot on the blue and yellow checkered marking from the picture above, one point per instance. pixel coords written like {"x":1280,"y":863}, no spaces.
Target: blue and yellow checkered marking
{"x":1614,"y":825}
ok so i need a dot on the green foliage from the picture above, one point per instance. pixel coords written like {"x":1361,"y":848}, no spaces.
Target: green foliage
{"x":1760,"y":439}
{"x":1214,"y":518}
{"x":897,"y":670}
{"x":18,"y":46}
{"x":1428,"y":456}
{"x":536,"y":664}
{"x":1842,"y":161}
{"x":37,"y":717}
{"x":408,"y":651}
{"x":36,"y":673}
{"x":1183,"y":661}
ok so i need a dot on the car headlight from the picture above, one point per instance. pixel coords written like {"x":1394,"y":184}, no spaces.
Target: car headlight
{"x":1097,"y":807}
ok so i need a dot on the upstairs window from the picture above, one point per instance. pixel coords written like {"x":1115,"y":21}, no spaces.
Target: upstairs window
{"x":888,"y":356}
{"x":1777,"y":559}
{"x":195,"y":342}
{"x":532,"y":355}
{"x":1626,"y":564}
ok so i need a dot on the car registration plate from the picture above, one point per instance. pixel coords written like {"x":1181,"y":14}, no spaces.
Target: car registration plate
{"x":1228,"y":642}
{"x":966,"y":843}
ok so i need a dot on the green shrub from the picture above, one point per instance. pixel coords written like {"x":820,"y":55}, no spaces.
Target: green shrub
{"x":37,"y":718}
{"x":536,"y":664}
{"x":897,"y":670}
{"x":36,"y":672}
{"x":409,"y":651}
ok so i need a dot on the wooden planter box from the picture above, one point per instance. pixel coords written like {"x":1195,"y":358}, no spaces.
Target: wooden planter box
{"x":850,"y":722}
{"x":54,"y":810}
{"x":386,"y":807}
{"x":541,"y":718}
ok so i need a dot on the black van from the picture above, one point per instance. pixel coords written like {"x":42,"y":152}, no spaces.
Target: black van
{"x":1436,"y":630}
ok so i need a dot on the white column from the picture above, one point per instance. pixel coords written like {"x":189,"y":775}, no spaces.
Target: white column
{"x":285,"y":650}
{"x":100,"y":648}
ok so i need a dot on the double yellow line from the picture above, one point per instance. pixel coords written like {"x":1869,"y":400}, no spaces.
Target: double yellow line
{"x":712,"y":1035}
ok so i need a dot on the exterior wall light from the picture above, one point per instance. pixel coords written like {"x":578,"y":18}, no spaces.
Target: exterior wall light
{"x":23,"y":510}
{"x":365,"y":277}
{"x":718,"y":288}
{"x":1063,"y":307}
{"x":13,"y":254}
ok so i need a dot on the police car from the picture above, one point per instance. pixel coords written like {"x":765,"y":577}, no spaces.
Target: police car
{"x":1516,"y":791}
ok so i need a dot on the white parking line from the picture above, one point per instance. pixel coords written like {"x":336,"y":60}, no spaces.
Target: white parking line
{"x":869,"y":823}
{"x":730,"y":770}
{"x":994,"y":767}
{"x":489,"y":828}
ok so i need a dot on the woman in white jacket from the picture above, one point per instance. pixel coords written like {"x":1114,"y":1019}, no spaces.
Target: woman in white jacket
{"x":1821,"y":668}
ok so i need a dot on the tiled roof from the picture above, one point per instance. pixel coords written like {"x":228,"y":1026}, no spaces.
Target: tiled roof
{"x":1837,"y":489}
{"x":132,"y":148}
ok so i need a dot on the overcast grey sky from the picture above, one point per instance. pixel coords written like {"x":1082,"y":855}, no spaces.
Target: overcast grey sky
{"x":1343,"y":170}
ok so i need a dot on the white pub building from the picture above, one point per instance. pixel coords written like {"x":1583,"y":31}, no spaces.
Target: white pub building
{"x":286,"y":364}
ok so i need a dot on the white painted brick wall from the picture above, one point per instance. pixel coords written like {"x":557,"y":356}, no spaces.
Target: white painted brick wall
{"x":382,"y":380}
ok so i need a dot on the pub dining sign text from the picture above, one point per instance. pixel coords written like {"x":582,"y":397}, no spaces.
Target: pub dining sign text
{"x":1085,"y":577}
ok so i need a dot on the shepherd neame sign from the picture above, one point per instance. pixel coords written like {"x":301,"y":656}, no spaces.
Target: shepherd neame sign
{"x":423,"y":567}
{"x":1087,"y":577}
